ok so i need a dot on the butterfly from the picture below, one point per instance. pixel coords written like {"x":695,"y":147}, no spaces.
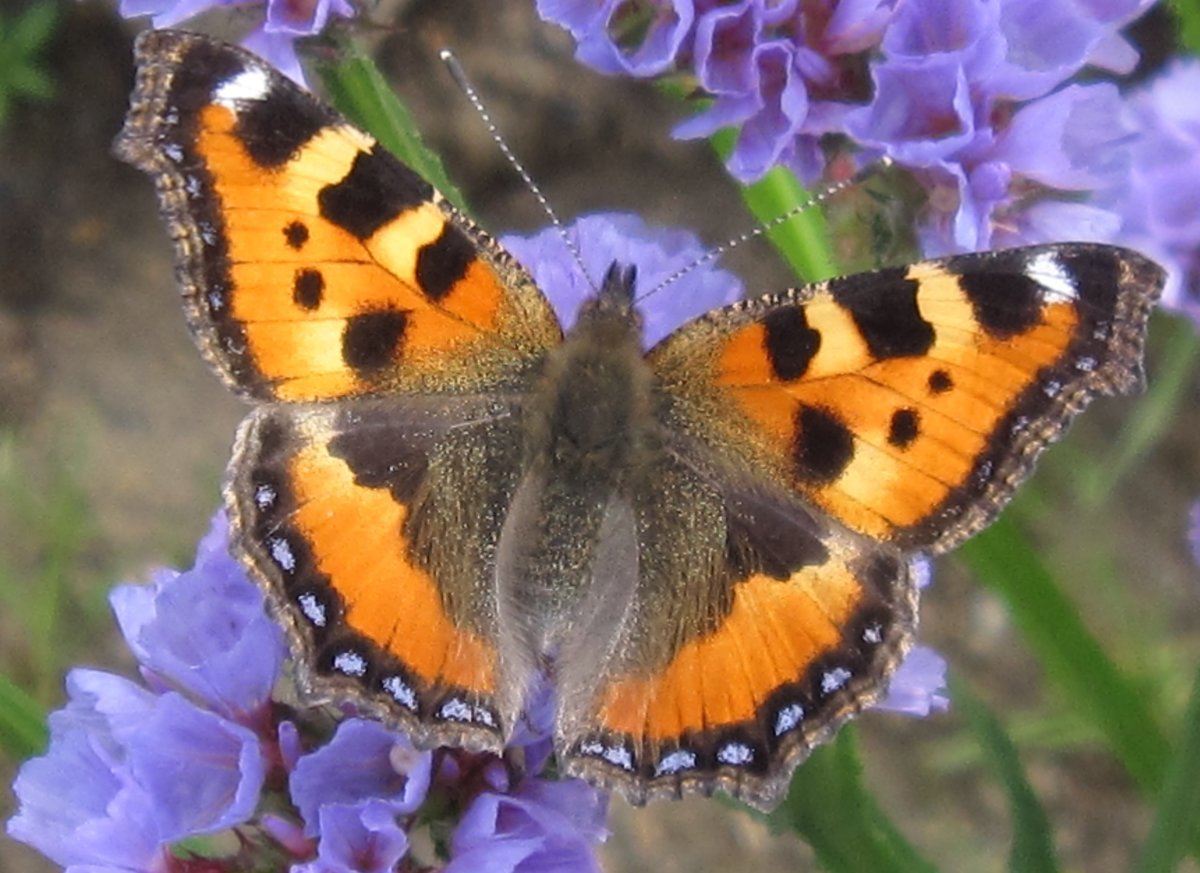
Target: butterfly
{"x":704,"y":548}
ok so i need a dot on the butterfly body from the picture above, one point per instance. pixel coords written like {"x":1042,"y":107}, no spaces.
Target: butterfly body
{"x":704,"y":548}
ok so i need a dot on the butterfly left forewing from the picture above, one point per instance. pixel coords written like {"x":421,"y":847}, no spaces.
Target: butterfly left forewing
{"x":909,"y":403}
{"x":314,"y":264}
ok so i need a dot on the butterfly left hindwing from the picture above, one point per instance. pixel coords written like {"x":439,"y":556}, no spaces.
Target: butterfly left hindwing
{"x":705,"y":548}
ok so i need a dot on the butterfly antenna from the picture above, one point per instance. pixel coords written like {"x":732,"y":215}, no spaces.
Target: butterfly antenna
{"x":464,"y":84}
{"x":815,"y":200}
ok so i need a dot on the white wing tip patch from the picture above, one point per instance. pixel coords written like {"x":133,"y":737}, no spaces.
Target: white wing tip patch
{"x":252,"y":83}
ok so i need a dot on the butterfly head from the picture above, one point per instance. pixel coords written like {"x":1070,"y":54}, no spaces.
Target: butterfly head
{"x":614,"y":302}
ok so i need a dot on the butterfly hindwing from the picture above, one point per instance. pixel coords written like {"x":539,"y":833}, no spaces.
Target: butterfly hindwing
{"x":344,"y":510}
{"x":314,"y":264}
{"x":909,"y":403}
{"x":755,"y":630}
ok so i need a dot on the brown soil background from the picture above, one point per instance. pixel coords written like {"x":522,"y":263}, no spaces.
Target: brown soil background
{"x":100,"y":382}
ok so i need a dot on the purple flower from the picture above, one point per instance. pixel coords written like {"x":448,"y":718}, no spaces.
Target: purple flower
{"x":274,"y":40}
{"x":151,"y":770}
{"x":203,"y":771}
{"x":1048,"y":41}
{"x":598,"y":26}
{"x":1194,"y":531}
{"x":1160,"y":206}
{"x":918,"y":687}
{"x":228,"y":653}
{"x":155,"y":765}
{"x":966,"y":95}
{"x":79,"y":803}
{"x":540,"y":827}
{"x":358,"y":838}
{"x":658,"y":255}
{"x":132,"y":771}
{"x":921,"y":114}
{"x":997,"y":171}
{"x":779,"y":69}
{"x":363,"y":762}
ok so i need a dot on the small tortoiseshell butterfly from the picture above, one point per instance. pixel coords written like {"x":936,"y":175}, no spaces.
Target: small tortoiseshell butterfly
{"x":705,"y":547}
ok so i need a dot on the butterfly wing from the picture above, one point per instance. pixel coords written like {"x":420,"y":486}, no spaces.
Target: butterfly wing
{"x":755,"y":629}
{"x":374,"y":531}
{"x":314,"y":264}
{"x":908,"y":404}
{"x":817,"y":438}
{"x":385,"y":339}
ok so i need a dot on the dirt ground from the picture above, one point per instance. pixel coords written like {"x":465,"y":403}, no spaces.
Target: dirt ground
{"x":98,"y":376}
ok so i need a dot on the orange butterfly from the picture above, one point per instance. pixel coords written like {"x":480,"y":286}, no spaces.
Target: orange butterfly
{"x":705,"y":547}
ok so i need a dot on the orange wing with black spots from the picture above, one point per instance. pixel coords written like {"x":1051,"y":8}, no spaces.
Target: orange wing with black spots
{"x":342,"y":511}
{"x":314,"y":264}
{"x":909,"y":403}
{"x":773,"y":630}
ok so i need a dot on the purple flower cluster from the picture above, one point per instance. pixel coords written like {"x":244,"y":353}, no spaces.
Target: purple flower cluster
{"x":284,"y":21}
{"x":962,"y":93}
{"x":1160,"y":205}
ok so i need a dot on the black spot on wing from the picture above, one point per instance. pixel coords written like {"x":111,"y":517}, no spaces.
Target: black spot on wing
{"x":884,"y":308}
{"x":765,"y":537}
{"x":442,"y":263}
{"x":372,"y":340}
{"x":1006,"y":304}
{"x":382,"y":454}
{"x":824,"y":446}
{"x":790,"y":343}
{"x":274,"y":131}
{"x":308,"y":289}
{"x":940,"y":382}
{"x":375,"y":190}
{"x":905,"y":426}
{"x":295,"y":235}
{"x":1097,"y":273}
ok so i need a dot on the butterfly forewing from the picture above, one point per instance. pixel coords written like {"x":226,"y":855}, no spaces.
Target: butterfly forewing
{"x":909,"y":403}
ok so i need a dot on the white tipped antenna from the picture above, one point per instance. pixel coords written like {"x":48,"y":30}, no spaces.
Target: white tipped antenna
{"x":464,"y":84}
{"x":761,"y":230}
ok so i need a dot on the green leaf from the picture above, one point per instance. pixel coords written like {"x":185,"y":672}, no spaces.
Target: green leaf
{"x":1188,"y":13}
{"x":829,"y":807}
{"x":31,"y":82}
{"x":32,"y":28}
{"x":22,"y":722}
{"x":1003,"y":560}
{"x":358,"y":89}
{"x":802,"y":240}
{"x":1177,"y":819}
{"x":1033,"y":844}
